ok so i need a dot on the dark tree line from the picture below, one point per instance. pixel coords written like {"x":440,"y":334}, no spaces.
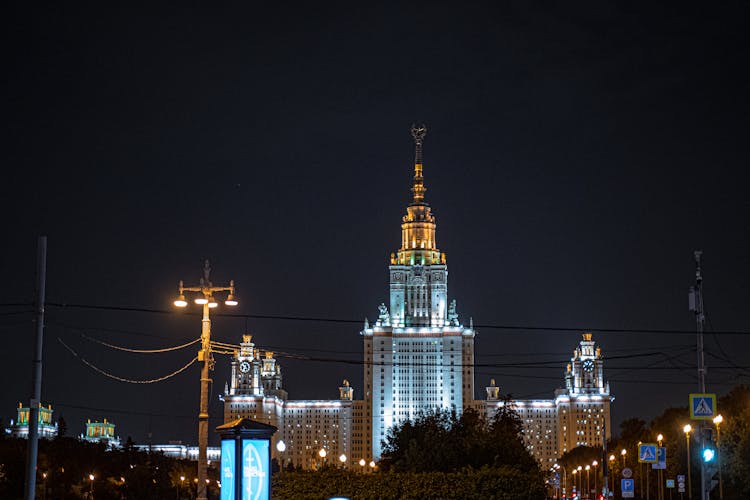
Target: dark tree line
{"x":64,"y":465}
{"x":733,"y":457}
{"x":444,"y":441}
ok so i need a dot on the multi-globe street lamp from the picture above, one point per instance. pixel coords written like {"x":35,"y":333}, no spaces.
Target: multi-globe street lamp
{"x":205,"y":297}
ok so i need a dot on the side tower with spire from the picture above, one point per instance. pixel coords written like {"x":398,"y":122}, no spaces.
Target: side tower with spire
{"x":418,"y":355}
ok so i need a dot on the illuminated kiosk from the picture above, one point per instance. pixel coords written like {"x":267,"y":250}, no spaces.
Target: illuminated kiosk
{"x":249,"y":477}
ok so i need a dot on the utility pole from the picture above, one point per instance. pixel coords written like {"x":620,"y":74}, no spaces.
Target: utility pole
{"x":205,"y":292}
{"x":696,"y":306}
{"x":36,"y":372}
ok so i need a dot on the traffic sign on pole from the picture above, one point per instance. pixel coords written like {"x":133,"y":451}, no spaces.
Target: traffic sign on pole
{"x":647,"y":453}
{"x":627,"y":486}
{"x":702,"y":406}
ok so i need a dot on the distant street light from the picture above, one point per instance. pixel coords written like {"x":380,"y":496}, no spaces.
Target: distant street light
{"x":660,"y":473}
{"x":91,"y":486}
{"x":717,"y":421}
{"x":342,"y":459}
{"x":594,"y":464}
{"x":588,"y":485}
{"x":281,"y":448}
{"x":206,"y":299}
{"x":687,"y":430}
{"x":623,"y":453}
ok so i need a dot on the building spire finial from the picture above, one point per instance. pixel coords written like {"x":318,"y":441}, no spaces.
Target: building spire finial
{"x":418,"y":131}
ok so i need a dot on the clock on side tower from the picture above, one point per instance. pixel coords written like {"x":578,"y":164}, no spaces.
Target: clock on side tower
{"x":243,"y":367}
{"x":585,"y":374}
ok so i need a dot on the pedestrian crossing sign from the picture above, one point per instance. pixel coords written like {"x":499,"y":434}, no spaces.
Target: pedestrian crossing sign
{"x":647,"y":453}
{"x":702,"y":406}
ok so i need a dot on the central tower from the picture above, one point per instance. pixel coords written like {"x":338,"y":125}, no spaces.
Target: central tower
{"x":418,"y":271}
{"x":418,"y":356}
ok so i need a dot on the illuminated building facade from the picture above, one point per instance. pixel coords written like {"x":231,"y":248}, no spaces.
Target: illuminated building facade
{"x":305,"y":426}
{"x":418,"y":356}
{"x":579,"y":415}
{"x":20,"y":428}
{"x":101,"y":432}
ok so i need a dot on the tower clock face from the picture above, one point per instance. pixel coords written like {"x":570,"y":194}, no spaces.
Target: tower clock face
{"x":244,"y":367}
{"x":588,"y":365}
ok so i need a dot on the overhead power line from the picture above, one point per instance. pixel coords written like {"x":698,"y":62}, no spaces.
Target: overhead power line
{"x":352,"y":321}
{"x":121,"y":379}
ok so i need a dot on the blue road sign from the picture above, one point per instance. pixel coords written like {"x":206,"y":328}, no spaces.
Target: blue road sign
{"x":702,"y":406}
{"x":627,"y":487}
{"x":647,"y":453}
{"x":661,"y":462}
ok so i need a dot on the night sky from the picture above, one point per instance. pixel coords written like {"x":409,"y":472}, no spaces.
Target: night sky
{"x":577,"y":154}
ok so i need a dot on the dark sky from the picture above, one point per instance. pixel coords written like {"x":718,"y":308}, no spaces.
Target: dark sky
{"x":576,"y":156}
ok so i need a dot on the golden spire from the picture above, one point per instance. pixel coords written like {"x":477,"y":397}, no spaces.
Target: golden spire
{"x":418,"y":132}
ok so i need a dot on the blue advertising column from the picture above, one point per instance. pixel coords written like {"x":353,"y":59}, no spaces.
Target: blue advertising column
{"x":245,"y":460}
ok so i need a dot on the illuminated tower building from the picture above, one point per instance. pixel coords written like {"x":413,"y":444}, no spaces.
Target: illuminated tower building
{"x":579,"y":415}
{"x":418,"y":356}
{"x":584,"y":405}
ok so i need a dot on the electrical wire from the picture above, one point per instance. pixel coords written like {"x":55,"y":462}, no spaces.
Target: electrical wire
{"x":121,"y":379}
{"x":140,"y":351}
{"x":520,"y":328}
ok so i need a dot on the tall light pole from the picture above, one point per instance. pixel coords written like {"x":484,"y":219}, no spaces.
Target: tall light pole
{"x":206,"y":299}
{"x":717,"y":421}
{"x":687,"y":430}
{"x":588,"y":486}
{"x":623,"y":453}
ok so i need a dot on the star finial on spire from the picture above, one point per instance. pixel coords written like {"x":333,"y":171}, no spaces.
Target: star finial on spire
{"x":418,"y":131}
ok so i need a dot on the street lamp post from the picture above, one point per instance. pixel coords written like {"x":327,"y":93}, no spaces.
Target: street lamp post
{"x":205,"y":292}
{"x":580,"y":477}
{"x":623,"y":453}
{"x":575,"y":483}
{"x":687,"y":430}
{"x":44,"y":485}
{"x":717,"y":421}
{"x":588,"y":485}
{"x":660,"y":474}
{"x":182,"y":481}
{"x":595,"y":464}
{"x":91,"y":486}
{"x":342,"y":459}
{"x":281,"y":448}
{"x":322,"y":454}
